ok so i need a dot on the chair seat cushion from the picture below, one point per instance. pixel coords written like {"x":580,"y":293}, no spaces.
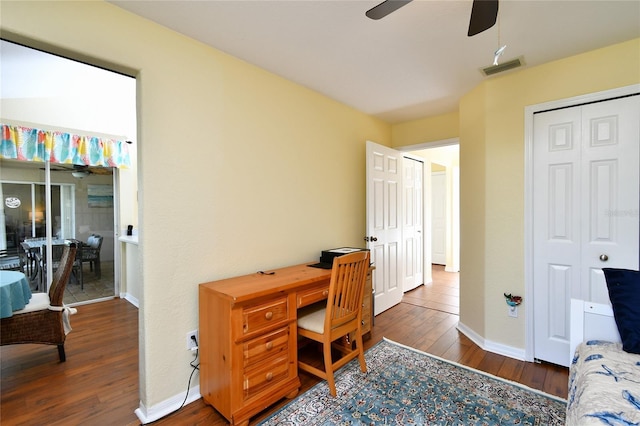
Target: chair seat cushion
{"x":38,"y":302}
{"x":312,"y":317}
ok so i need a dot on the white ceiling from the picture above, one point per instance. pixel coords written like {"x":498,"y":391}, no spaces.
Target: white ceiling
{"x":38,"y":88}
{"x":416,"y":62}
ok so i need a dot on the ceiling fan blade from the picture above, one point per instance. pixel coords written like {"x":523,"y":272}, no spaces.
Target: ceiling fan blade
{"x":483,"y":16}
{"x":385,"y":8}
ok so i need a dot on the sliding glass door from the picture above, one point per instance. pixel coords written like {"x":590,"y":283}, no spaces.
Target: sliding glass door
{"x":25,"y":212}
{"x":80,"y":209}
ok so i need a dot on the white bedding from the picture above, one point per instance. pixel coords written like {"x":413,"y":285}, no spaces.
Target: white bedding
{"x":604,"y":385}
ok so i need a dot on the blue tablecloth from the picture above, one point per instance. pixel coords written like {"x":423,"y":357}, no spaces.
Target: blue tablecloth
{"x":14,"y":292}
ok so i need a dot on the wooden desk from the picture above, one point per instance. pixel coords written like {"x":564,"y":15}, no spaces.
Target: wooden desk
{"x":248,"y":337}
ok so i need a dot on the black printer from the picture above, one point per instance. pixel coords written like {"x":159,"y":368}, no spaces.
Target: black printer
{"x":327,"y":256}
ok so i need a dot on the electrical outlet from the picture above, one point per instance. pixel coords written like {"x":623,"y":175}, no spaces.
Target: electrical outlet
{"x":192,"y":340}
{"x":513,"y":311}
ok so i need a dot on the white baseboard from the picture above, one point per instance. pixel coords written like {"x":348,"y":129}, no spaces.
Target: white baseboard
{"x":489,"y":346}
{"x":129,"y":298}
{"x":168,"y":406}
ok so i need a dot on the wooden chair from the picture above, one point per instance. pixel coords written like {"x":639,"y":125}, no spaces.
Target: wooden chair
{"x":45,"y":319}
{"x":341,"y":315}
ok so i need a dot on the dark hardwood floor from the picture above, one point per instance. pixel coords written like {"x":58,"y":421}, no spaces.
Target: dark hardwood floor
{"x":98,"y":384}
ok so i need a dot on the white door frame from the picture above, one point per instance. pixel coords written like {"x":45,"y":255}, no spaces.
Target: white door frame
{"x":440,"y":189}
{"x":455,"y":230}
{"x":528,"y":190}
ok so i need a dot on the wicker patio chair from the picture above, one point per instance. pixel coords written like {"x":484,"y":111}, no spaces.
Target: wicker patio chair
{"x":45,"y":319}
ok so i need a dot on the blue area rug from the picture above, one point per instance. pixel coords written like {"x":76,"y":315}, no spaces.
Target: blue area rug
{"x":405,"y":386}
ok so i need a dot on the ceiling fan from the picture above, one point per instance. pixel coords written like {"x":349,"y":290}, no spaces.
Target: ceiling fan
{"x":483,"y":13}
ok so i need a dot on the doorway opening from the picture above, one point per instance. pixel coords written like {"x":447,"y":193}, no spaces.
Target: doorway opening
{"x":45,"y":91}
{"x":442,"y":226}
{"x":441,"y":294}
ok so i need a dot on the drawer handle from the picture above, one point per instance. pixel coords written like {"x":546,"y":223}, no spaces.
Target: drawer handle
{"x":325,"y":293}
{"x":269,"y":376}
{"x":269,"y":346}
{"x":268,"y":315}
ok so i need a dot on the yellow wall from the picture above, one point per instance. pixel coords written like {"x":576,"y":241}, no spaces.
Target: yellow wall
{"x":491,"y":132}
{"x":472,"y":209}
{"x":428,"y":129}
{"x":239,"y":170}
{"x":492,"y":210}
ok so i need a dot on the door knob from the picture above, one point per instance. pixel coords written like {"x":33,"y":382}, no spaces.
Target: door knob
{"x":604,"y":257}
{"x":372,"y":239}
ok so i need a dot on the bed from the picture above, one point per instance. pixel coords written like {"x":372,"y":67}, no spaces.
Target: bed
{"x":604,"y":375}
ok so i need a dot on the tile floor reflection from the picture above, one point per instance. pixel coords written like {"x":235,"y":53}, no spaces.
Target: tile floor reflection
{"x":94,"y":288}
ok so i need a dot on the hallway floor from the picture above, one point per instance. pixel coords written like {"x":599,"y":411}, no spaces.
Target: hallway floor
{"x":443,"y":294}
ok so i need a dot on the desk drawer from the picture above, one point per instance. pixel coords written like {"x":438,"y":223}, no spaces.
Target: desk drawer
{"x":256,"y":317}
{"x":258,"y":379}
{"x":312,"y":295}
{"x":265,"y":346}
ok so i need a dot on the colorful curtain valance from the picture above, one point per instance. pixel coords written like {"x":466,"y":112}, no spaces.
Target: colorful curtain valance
{"x":27,"y":144}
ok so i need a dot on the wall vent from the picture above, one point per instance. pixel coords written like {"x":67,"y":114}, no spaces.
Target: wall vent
{"x":495,"y":69}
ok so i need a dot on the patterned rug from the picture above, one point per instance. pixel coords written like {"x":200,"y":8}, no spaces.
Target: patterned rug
{"x":404,"y":386}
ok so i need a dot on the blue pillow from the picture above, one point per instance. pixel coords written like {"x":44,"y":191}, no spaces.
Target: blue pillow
{"x":624,"y":293}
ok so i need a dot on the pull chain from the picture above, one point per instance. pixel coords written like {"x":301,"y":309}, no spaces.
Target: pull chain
{"x":500,"y":51}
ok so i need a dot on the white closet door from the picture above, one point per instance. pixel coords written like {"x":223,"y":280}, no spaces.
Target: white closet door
{"x":586,"y":190}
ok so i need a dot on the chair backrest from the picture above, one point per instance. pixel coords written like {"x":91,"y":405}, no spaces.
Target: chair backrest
{"x":62,"y":275}
{"x":10,"y":260}
{"x":346,"y":289}
{"x":78,"y":245}
{"x":57,"y":251}
{"x":24,"y":254}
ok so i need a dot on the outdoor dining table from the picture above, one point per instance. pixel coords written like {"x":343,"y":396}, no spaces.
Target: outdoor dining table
{"x":37,"y":244}
{"x":14,"y":292}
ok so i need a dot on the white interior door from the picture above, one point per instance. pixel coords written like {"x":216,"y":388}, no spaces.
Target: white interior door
{"x":439,"y":218}
{"x":384,"y":223}
{"x":586,"y":200}
{"x":412,"y":236}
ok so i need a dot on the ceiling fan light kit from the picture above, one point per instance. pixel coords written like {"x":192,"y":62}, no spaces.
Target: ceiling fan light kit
{"x":80,"y":173}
